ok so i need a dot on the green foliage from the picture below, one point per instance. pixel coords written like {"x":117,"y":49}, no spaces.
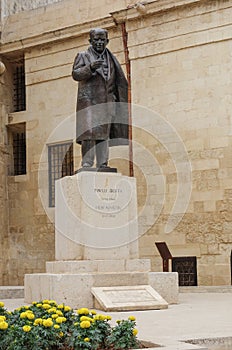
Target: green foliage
{"x":45,"y":325}
{"x":123,"y":336}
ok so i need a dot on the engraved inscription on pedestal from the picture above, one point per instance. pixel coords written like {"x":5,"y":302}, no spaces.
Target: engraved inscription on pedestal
{"x":96,"y":212}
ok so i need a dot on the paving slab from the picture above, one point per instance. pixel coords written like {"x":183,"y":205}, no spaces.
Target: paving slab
{"x":197,"y":316}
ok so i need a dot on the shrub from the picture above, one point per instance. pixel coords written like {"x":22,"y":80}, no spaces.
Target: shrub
{"x":46,"y":325}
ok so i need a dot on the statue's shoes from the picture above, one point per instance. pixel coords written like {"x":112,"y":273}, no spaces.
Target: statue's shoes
{"x":86,"y":165}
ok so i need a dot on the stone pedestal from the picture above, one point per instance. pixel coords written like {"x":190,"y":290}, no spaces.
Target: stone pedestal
{"x":96,"y":217}
{"x":96,"y":240}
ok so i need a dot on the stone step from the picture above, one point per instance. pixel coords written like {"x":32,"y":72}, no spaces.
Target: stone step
{"x":85,"y":266}
{"x":206,"y":289}
{"x":11,"y":292}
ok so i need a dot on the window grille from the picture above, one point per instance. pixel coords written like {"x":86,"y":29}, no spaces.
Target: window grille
{"x":186,"y":267}
{"x":19,"y":99}
{"x":19,"y":152}
{"x":60,"y":164}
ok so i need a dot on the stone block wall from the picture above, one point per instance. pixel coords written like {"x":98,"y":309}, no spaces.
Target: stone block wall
{"x":181,"y":85}
{"x":181,"y":66}
{"x":51,"y":101}
{"x":4,"y":204}
{"x":10,"y":7}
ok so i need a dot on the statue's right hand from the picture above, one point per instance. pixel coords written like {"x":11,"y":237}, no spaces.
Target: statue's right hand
{"x":96,"y":64}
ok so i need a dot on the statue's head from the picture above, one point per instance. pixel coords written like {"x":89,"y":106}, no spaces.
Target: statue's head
{"x":98,"y":39}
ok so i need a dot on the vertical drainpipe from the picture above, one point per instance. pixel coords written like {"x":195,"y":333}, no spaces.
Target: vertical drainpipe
{"x":128,"y":71}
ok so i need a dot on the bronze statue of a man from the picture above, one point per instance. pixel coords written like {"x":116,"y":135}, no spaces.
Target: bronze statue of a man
{"x":102,"y":114}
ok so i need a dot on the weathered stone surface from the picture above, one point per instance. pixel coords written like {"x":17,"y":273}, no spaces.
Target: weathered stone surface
{"x":183,"y":55}
{"x":127,"y":298}
{"x":10,"y":7}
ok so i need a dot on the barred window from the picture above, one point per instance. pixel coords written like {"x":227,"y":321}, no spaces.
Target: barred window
{"x":186,"y":266}
{"x":19,"y":97}
{"x":17,"y":144}
{"x":60,"y":164}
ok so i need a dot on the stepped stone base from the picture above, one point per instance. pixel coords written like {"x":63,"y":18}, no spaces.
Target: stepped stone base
{"x":75,"y":288}
{"x":96,"y":236}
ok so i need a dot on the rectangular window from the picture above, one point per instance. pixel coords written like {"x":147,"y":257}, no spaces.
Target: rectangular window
{"x":60,"y":164}
{"x":186,"y":266}
{"x":17,"y":145}
{"x":19,"y":96}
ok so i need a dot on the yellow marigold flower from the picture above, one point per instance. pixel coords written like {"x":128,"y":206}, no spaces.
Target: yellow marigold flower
{"x":46,"y":306}
{"x":61,"y":334}
{"x":34,"y":302}
{"x":86,"y":339}
{"x":45,"y":301}
{"x":2,"y":304}
{"x":86,"y":318}
{"x":108,"y":318}
{"x":30,"y":316}
{"x":52,"y":310}
{"x":55,"y":316}
{"x":93,"y":312}
{"x":3,"y":325}
{"x":60,"y":306}
{"x":56,"y":326}
{"x":39,"y":305}
{"x":2,"y":318}
{"x":135,"y":331}
{"x":23,"y":315}
{"x":67,"y":308}
{"x":85,"y":324}
{"x":26,"y":307}
{"x":38,"y":321}
{"x":131,"y":318}
{"x":60,"y":319}
{"x":59,"y":312}
{"x":26,"y":328}
{"x":83,"y":311}
{"x":47,"y":323}
{"x":52,"y":302}
{"x":118,"y":321}
{"x":100,"y":317}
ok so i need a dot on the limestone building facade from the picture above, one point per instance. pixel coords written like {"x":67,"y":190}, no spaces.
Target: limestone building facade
{"x":180,"y":56}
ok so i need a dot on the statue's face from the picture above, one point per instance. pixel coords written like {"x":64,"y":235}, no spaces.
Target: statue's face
{"x":99,"y":41}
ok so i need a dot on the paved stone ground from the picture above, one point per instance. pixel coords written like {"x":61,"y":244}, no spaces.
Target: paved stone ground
{"x":197,"y":316}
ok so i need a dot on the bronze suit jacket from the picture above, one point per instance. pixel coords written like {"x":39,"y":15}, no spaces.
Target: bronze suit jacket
{"x":102,"y":110}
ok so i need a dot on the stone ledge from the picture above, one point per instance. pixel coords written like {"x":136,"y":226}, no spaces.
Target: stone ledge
{"x":206,"y":289}
{"x":75,"y":289}
{"x":166,"y":284}
{"x":84,"y":266}
{"x":11,"y":292}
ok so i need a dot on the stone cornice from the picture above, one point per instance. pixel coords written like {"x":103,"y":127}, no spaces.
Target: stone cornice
{"x":55,"y":35}
{"x":150,"y":7}
{"x":140,"y":9}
